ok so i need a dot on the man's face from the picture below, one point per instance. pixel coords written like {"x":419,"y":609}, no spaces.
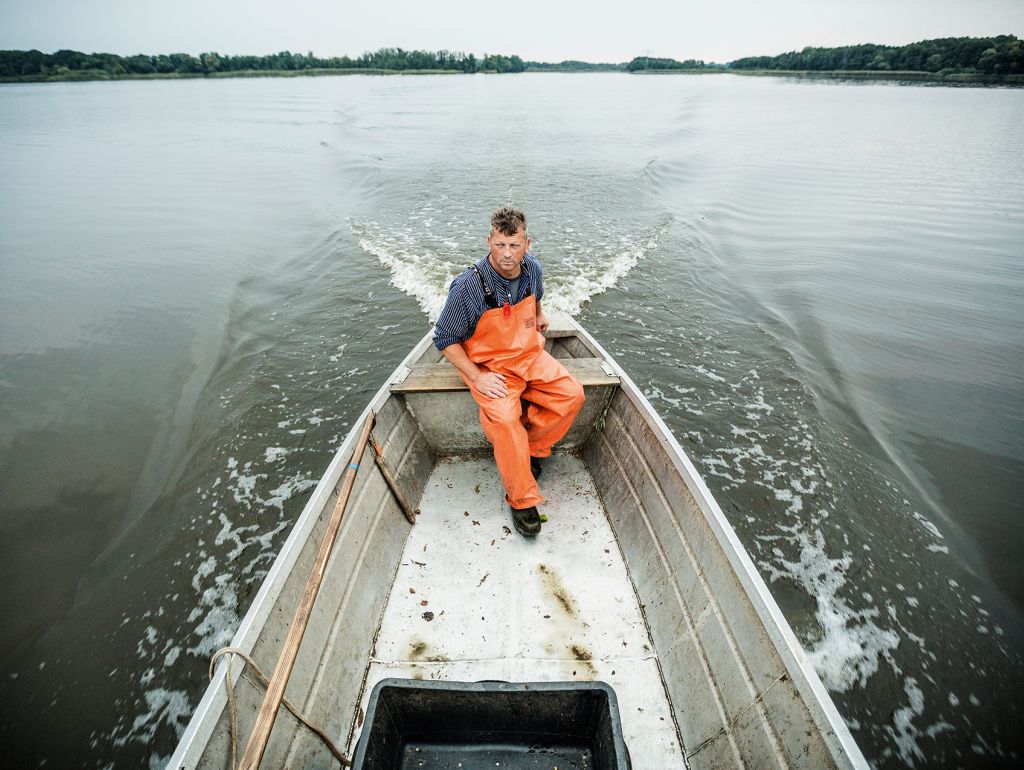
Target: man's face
{"x":507,"y":251}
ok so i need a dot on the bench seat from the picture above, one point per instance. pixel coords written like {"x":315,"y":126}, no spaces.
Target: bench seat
{"x":443,"y":376}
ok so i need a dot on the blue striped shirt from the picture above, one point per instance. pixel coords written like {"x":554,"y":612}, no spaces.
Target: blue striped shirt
{"x":466,"y":302}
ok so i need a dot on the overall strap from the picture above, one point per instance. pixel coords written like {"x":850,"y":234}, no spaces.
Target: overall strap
{"x":489,"y":298}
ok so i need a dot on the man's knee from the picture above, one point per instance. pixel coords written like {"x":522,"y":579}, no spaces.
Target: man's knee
{"x":577,"y":395}
{"x":568,"y":399}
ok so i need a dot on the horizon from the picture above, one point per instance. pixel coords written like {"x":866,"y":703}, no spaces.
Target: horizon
{"x":604,"y":33}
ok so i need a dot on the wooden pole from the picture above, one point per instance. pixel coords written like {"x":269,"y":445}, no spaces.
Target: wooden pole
{"x":260,"y":735}
{"x":392,"y":482}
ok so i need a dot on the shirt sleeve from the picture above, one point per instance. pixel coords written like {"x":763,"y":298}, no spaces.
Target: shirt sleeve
{"x":453,"y":324}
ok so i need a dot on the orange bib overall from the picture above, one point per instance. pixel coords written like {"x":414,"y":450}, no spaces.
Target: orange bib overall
{"x":506,"y":341}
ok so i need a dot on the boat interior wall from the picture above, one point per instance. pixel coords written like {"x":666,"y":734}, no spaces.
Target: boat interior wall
{"x":327,"y":678}
{"x":732,"y":696}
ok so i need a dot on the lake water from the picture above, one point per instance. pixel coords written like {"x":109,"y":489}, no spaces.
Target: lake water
{"x":819,"y":285}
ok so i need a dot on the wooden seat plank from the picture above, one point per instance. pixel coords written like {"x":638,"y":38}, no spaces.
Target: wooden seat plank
{"x":444,"y":377}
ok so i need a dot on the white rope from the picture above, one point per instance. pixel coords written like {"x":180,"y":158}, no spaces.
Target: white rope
{"x":345,"y":761}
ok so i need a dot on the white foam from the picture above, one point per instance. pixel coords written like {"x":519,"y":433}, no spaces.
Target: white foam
{"x":424,"y":268}
{"x":568,"y":288}
{"x":852,"y":644}
{"x":903,"y":731}
{"x":205,"y":569}
{"x":169,"y":706}
{"x":229,"y":533}
{"x":796,"y":503}
{"x":274,"y":453}
{"x":415,"y":269}
{"x":245,"y":483}
{"x":286,"y":490}
{"x":656,"y":394}
{"x":701,"y":369}
{"x":218,"y":606}
{"x":212,"y":622}
{"x":928,"y":525}
{"x":172,"y":655}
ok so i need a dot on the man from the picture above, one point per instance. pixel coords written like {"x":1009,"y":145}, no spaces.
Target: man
{"x":491,"y":331}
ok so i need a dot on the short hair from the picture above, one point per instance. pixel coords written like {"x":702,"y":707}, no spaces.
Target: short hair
{"x":507,"y":220}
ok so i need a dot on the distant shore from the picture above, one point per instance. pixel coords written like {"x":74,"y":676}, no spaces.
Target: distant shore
{"x":953,"y":78}
{"x":916,"y":76}
{"x":101,"y":75}
{"x":958,"y":78}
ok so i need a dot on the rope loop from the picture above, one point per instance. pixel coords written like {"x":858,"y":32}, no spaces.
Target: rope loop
{"x":233,"y":708}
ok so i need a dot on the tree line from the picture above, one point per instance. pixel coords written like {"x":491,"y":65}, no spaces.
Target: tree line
{"x":642,"y":63}
{"x":70,"y":65}
{"x":573,"y":65}
{"x":987,"y":56}
{"x":1001,"y":55}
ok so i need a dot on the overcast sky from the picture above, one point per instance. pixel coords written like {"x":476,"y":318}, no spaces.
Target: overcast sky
{"x":538,"y":30}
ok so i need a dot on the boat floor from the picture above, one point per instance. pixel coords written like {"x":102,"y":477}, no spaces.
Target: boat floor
{"x":473,"y":600}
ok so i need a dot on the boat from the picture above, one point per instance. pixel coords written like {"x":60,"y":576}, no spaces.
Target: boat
{"x":637,"y":581}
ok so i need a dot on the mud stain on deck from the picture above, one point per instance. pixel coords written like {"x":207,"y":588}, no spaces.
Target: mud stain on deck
{"x":584,"y":656}
{"x":553,"y":586}
{"x":418,"y":652}
{"x":580,"y":653}
{"x":565,"y":627}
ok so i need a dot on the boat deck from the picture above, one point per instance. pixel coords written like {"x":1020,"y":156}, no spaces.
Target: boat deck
{"x":473,"y":600}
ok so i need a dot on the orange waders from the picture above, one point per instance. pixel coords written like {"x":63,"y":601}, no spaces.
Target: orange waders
{"x":506,"y":341}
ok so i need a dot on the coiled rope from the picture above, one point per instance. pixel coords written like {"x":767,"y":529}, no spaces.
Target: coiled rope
{"x":344,"y":760}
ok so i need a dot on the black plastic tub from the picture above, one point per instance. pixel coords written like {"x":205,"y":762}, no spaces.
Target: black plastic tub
{"x":417,"y":725}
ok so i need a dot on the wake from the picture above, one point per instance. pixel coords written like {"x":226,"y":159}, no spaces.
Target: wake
{"x":579,"y":262}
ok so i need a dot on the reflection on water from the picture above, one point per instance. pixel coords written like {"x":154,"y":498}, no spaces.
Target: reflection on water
{"x":818,"y":285}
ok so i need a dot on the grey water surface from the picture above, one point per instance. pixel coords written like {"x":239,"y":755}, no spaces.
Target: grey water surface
{"x":819,"y":285}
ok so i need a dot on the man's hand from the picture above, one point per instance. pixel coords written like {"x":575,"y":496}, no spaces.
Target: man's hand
{"x":491,"y":384}
{"x":542,"y":322}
